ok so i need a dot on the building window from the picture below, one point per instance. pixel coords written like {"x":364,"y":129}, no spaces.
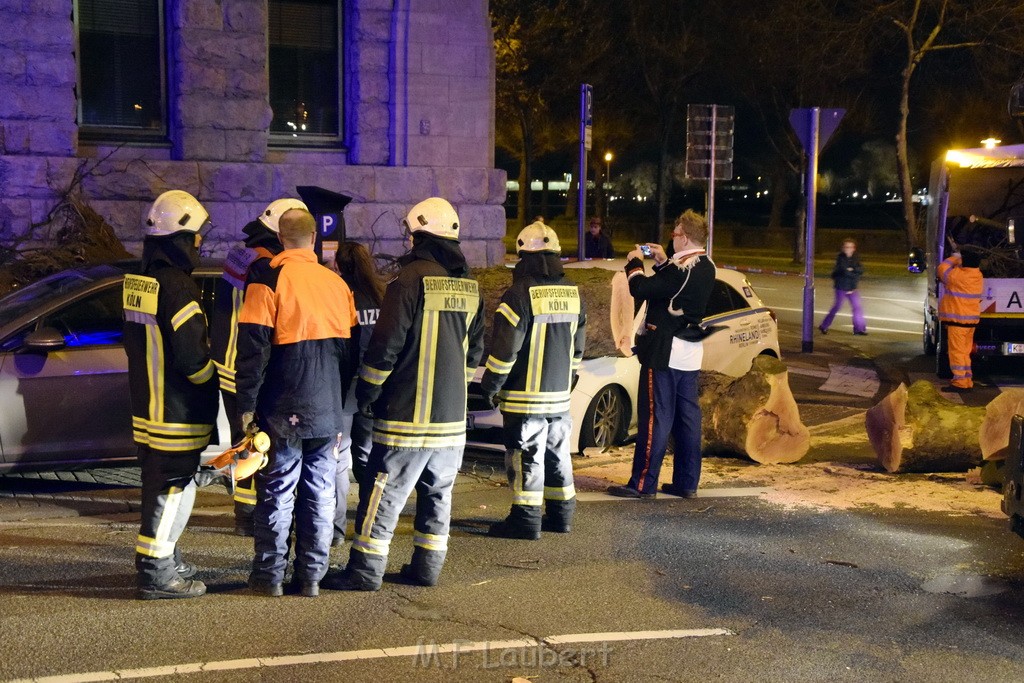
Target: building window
{"x":120,"y":65}
{"x":305,"y":70}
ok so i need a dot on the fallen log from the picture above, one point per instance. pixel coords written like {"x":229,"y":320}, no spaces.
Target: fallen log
{"x":753,"y":415}
{"x":994,"y":436}
{"x":605,"y":298}
{"x":918,"y":430}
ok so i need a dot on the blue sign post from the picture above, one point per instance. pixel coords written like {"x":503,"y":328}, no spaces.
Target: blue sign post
{"x":586,"y":140}
{"x":814,"y":127}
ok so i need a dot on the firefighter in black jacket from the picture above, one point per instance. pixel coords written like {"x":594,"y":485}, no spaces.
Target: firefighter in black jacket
{"x":242,"y":266}
{"x":173,"y":389}
{"x":669,"y":347}
{"x":424,"y":350}
{"x":536,"y":348}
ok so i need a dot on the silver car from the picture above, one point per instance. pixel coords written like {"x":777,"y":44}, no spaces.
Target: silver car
{"x":63,"y":370}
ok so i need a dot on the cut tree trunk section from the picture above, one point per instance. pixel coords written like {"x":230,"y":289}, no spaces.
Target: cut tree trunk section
{"x":753,"y":415}
{"x":994,"y":437}
{"x":917,"y":430}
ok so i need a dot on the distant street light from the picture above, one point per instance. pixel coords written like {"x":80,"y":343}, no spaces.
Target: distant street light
{"x":990,"y":143}
{"x":608,"y":181}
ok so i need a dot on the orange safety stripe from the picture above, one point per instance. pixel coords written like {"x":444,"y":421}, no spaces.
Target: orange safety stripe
{"x":310,"y":287}
{"x":260,"y":307}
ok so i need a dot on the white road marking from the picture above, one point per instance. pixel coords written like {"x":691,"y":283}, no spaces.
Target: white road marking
{"x":744,"y":492}
{"x":419,"y":650}
{"x":849,"y":315}
{"x":916,"y":302}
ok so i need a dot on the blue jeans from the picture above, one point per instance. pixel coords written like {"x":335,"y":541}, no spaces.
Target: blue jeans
{"x":298,"y":483}
{"x":667,"y":404}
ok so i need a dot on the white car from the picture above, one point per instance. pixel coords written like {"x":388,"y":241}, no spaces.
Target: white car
{"x":603,"y":401}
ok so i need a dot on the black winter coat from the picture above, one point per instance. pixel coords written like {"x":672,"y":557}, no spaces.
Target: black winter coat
{"x":847,"y":272}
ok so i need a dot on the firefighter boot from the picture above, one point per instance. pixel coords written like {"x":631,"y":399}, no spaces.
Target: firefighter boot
{"x":523,"y":522}
{"x":425,"y":567}
{"x":175,"y":588}
{"x":244,"y":522}
{"x":365,"y":572}
{"x":558,"y":515}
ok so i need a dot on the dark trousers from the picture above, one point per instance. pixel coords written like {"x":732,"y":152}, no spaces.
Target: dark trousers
{"x":297,"y":483}
{"x":539,"y":469}
{"x":667,"y":404}
{"x":168,"y":492}
{"x":354,"y":454}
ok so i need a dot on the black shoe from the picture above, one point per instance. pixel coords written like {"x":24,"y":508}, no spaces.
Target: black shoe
{"x":503,"y":529}
{"x":341,"y":581}
{"x":267,"y":588}
{"x":952,"y":389}
{"x":409,"y":575}
{"x":186,"y":570}
{"x":673,"y":491}
{"x":862,"y":333}
{"x":244,"y":526}
{"x":629,"y":492}
{"x":176,"y":588}
{"x":822,"y":329}
{"x":555,"y":527}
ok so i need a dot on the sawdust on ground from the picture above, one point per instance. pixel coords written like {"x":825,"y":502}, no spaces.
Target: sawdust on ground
{"x":846,"y":479}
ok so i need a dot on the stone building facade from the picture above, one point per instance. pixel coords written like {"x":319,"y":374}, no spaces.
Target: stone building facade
{"x":417,"y":103}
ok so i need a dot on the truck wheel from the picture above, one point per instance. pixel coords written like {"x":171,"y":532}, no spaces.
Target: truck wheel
{"x":606,"y":419}
{"x":929,"y":340}
{"x":942,"y":369}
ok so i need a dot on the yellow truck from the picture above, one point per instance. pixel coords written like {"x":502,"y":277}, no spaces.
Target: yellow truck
{"x":976,"y":196}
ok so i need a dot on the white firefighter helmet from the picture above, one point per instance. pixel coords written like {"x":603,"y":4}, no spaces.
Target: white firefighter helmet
{"x":271,"y":216}
{"x":537,"y":237}
{"x":175,"y":211}
{"x":435,"y":216}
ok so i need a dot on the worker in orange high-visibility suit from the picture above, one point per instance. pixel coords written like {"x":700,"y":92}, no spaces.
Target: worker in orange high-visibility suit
{"x":960,"y":310}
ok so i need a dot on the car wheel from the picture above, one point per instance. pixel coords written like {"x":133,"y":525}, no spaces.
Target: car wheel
{"x":942,"y":369}
{"x":605,"y":422}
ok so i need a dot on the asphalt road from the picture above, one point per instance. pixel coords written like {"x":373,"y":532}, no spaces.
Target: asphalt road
{"x":728,"y":588}
{"x":759,"y":593}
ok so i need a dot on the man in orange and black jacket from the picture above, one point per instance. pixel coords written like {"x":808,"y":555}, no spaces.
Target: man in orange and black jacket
{"x":293,"y":361}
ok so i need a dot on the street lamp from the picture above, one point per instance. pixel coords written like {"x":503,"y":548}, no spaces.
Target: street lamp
{"x":990,"y":142}
{"x":608,"y":181}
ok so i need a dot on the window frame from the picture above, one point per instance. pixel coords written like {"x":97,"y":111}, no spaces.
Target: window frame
{"x":282,"y":139}
{"x":106,"y":133}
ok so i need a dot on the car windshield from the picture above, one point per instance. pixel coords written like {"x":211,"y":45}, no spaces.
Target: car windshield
{"x":24,"y":300}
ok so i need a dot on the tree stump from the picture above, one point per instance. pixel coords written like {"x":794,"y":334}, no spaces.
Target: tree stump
{"x":917,"y":430}
{"x":994,"y":437}
{"x":605,"y":302}
{"x":753,"y":415}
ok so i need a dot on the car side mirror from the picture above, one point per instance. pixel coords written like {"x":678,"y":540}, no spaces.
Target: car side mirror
{"x":45,"y":339}
{"x":916,"y":260}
